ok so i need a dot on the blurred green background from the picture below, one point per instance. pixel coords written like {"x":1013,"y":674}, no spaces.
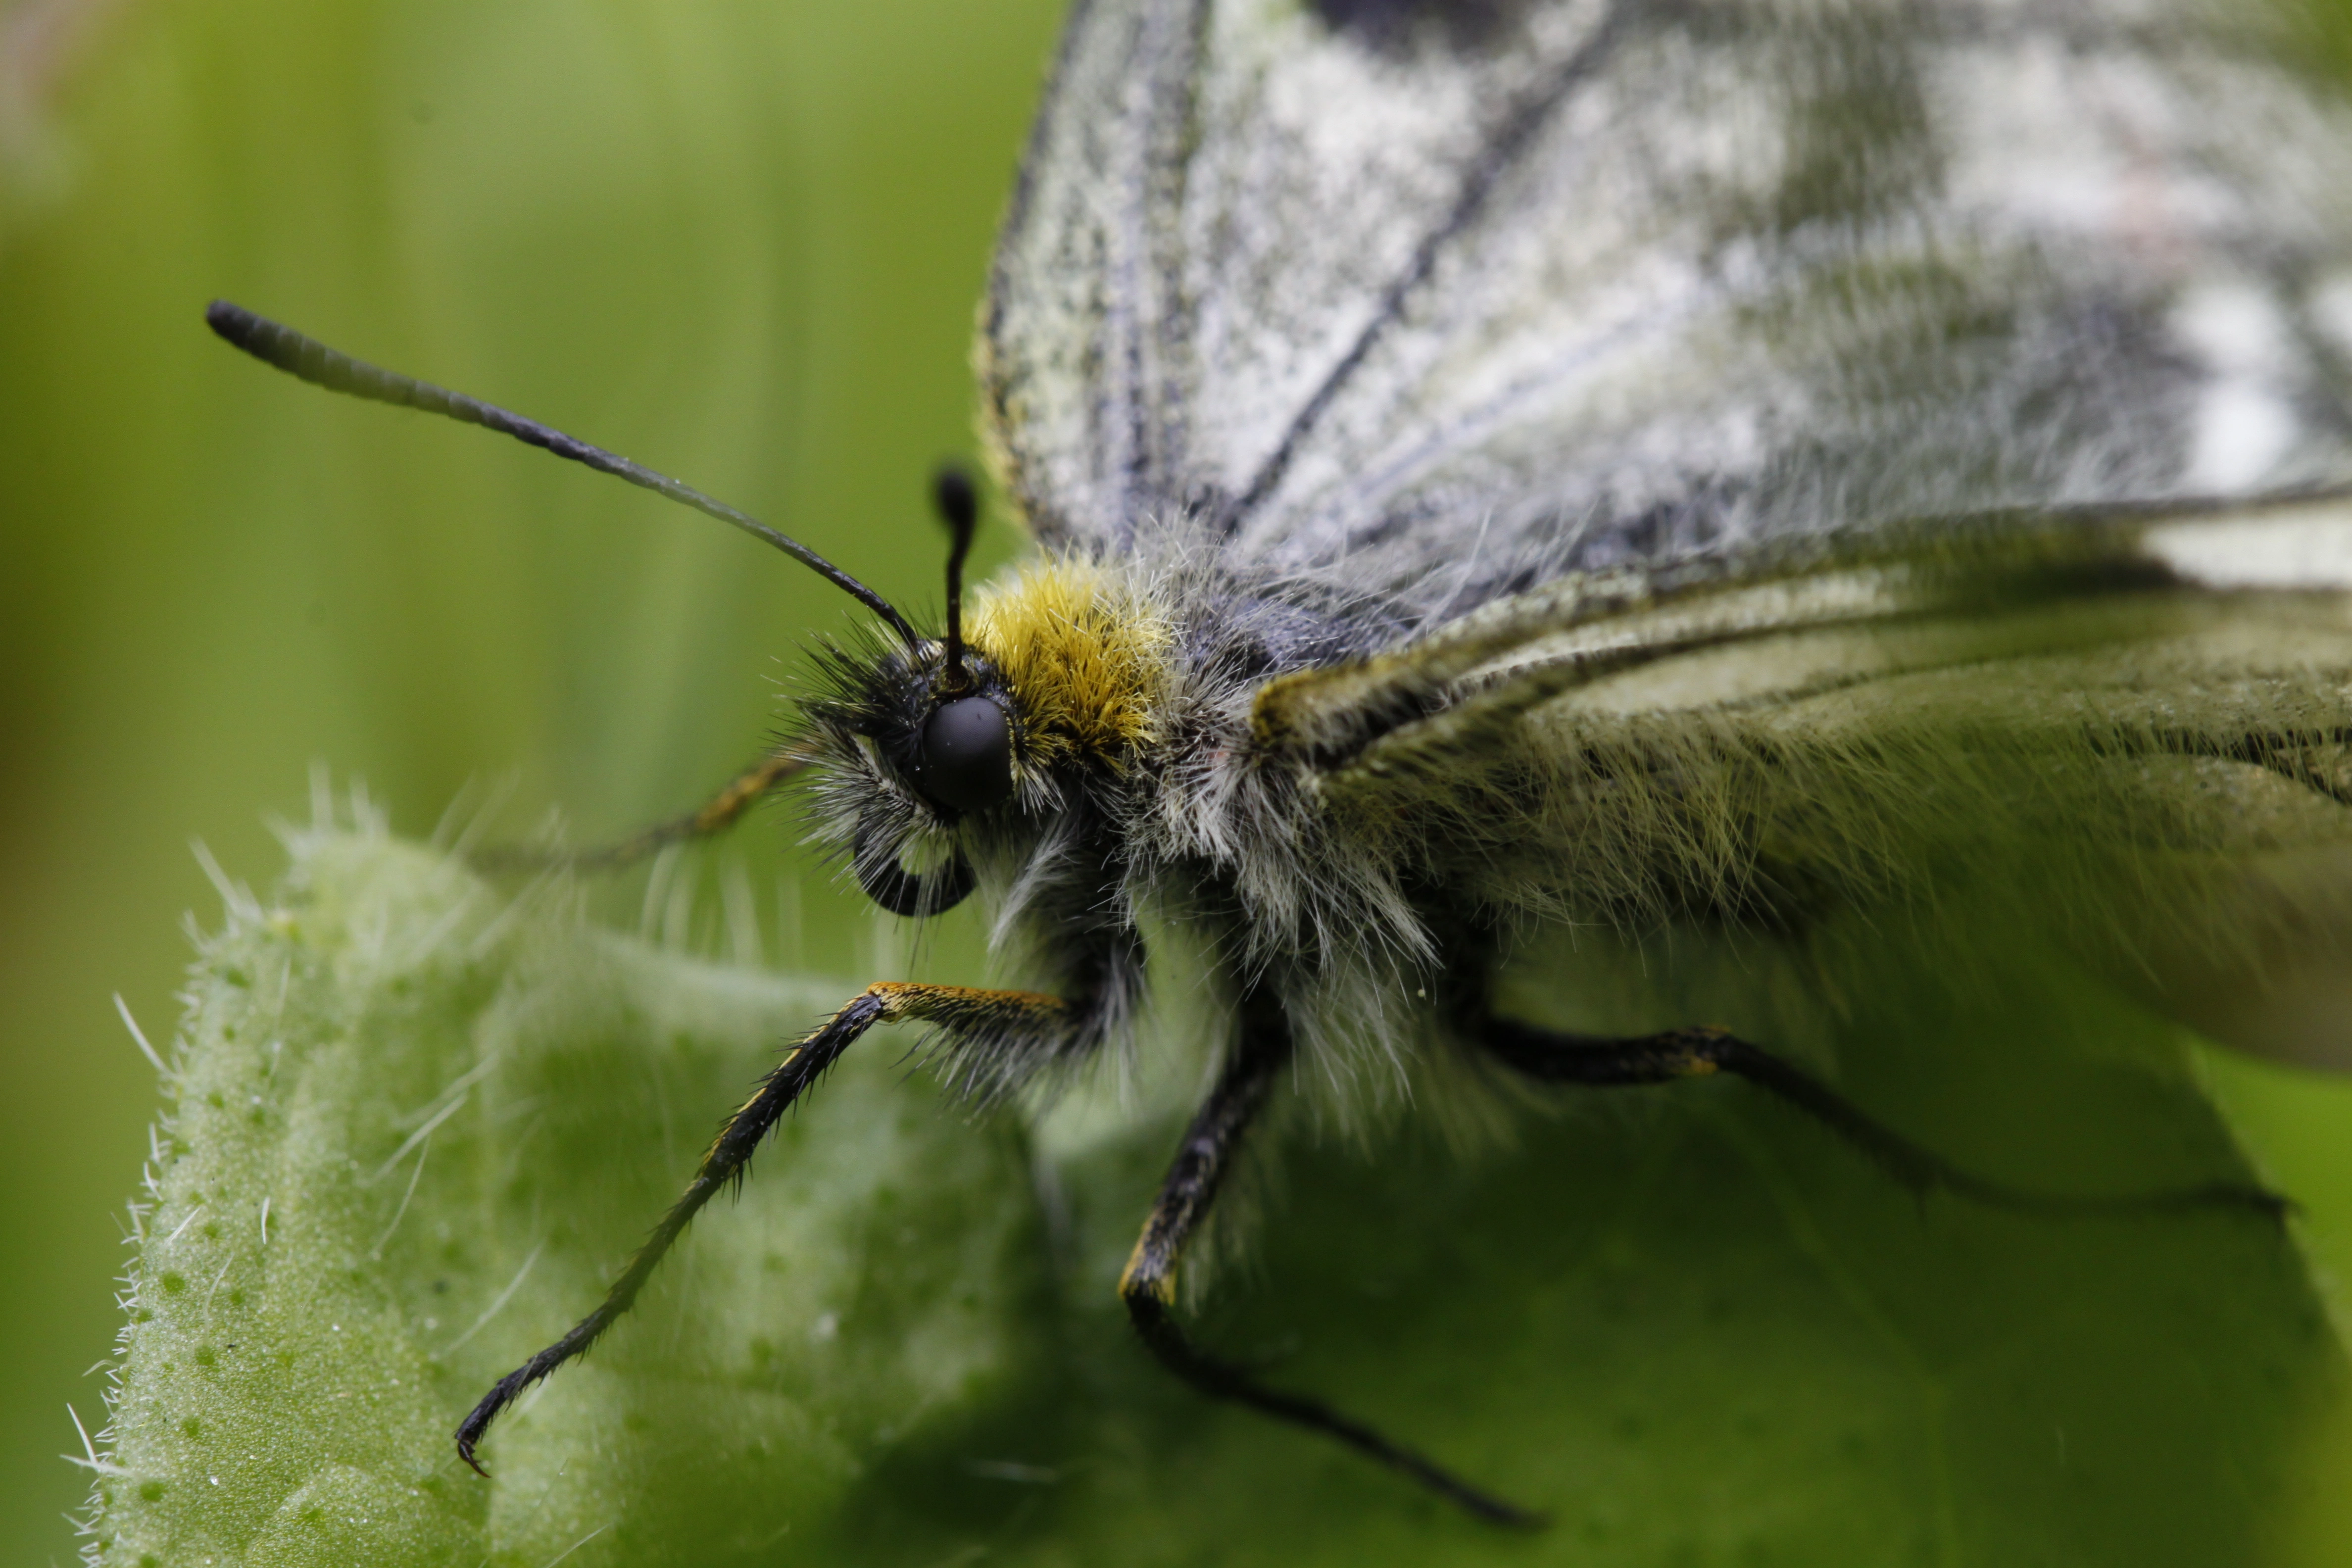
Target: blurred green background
{"x":738,"y":240}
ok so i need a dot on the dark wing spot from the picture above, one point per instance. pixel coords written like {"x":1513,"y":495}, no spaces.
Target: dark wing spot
{"x":1403,"y":26}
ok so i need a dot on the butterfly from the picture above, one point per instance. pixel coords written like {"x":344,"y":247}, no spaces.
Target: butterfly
{"x":1501,"y":466}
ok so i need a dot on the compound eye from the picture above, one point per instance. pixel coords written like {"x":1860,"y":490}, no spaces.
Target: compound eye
{"x":966,"y":755}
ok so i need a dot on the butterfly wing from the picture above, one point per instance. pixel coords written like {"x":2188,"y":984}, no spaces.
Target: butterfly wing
{"x":1618,"y":349}
{"x":2135,"y":727}
{"x":1468,"y":295}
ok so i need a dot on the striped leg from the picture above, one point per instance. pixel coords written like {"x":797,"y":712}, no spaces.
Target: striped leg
{"x":997,"y":1015}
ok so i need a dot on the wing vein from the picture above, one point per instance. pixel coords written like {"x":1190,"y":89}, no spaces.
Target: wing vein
{"x":996,"y":378}
{"x":1511,"y":141}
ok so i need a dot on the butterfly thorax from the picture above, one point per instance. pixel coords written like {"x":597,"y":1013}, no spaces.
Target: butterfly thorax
{"x":1086,"y":662}
{"x":1137,"y":794}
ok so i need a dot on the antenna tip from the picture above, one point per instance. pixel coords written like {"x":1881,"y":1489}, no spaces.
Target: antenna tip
{"x":957,"y":501}
{"x":232,"y":322}
{"x":259,"y":336}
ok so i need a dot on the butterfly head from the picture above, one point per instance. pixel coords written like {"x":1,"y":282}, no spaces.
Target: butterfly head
{"x":966,"y":743}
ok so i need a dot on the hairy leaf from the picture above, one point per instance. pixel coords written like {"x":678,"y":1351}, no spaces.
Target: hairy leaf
{"x":415,"y":1126}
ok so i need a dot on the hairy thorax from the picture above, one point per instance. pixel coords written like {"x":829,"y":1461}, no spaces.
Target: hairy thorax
{"x":1086,"y":659}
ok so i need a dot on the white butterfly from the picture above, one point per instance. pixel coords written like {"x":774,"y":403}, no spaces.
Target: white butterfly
{"x":1513,"y":465}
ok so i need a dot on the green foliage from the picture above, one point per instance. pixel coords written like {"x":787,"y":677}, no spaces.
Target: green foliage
{"x":411,"y":1134}
{"x":415,"y":1124}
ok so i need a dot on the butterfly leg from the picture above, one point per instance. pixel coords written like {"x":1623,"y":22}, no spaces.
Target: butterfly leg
{"x":717,"y":815}
{"x":1149,"y":1284}
{"x":1555,"y":1058}
{"x":989,"y":1017}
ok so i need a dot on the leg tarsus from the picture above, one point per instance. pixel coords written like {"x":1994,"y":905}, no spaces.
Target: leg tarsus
{"x":1923,"y":1171}
{"x":1223,"y":1380}
{"x":1149,"y":1284}
{"x":717,"y":814}
{"x":1697,"y":1052}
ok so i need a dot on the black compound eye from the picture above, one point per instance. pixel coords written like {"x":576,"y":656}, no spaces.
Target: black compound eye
{"x":966,"y":756}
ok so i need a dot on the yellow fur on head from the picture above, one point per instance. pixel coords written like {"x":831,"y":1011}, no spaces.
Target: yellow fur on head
{"x":1085,"y":658}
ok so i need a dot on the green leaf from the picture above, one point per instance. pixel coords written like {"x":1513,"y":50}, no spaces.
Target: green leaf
{"x":415,"y":1131}
{"x":1689,"y":1324}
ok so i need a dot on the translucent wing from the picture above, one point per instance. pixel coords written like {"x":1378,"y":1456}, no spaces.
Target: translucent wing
{"x":2135,"y":729}
{"x":1472,"y":294}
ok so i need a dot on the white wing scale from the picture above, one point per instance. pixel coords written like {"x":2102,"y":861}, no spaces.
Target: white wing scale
{"x":1631,"y":282}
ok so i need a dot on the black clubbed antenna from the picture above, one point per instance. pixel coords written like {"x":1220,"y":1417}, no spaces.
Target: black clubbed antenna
{"x":959,"y":508}
{"x":313,"y":361}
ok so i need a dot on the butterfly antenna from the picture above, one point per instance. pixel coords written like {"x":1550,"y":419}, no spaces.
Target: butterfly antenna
{"x":958,"y":507}
{"x":308,"y":358}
